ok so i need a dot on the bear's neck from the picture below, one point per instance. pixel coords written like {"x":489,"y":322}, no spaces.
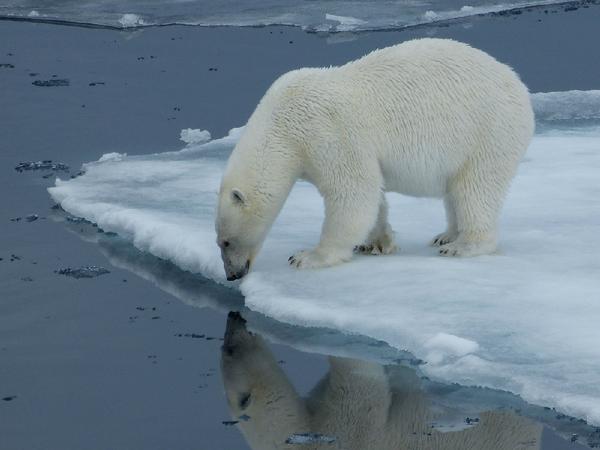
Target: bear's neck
{"x":277,"y":170}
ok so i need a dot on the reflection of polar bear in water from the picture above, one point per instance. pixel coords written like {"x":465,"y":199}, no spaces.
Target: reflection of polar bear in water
{"x":427,"y":118}
{"x":362,"y":405}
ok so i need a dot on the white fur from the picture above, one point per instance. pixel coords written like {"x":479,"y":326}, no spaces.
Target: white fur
{"x":426,"y":118}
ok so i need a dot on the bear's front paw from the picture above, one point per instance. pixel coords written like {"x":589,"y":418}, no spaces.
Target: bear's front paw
{"x":314,"y":259}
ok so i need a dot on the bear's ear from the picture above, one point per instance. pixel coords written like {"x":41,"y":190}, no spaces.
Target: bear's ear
{"x":238,"y":197}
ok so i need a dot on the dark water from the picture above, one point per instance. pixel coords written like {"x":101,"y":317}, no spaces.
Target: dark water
{"x":117,"y":361}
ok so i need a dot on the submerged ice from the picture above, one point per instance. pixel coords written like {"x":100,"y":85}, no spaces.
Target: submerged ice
{"x":523,"y":320}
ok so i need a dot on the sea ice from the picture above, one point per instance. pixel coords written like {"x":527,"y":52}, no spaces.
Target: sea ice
{"x":310,"y":15}
{"x":567,"y":105}
{"x":524,"y":320}
{"x":309,"y":438}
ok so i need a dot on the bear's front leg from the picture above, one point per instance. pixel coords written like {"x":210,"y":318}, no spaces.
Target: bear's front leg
{"x":349,"y":216}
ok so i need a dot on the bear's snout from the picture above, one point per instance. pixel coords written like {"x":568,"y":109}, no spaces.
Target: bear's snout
{"x":234,"y":273}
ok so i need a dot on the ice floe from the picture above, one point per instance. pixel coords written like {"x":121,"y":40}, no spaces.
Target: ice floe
{"x":524,"y":320}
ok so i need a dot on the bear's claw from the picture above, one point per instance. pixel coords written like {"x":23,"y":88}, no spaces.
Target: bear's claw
{"x":376,"y":249}
{"x":314,"y":259}
{"x":466,"y":248}
{"x":443,"y":239}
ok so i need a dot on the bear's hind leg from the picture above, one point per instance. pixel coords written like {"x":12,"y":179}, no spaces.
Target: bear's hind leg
{"x":477,"y":194}
{"x":381,"y":237}
{"x":451,"y":232}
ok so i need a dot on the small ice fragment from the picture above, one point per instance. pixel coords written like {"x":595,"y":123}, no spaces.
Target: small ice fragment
{"x":31,"y":217}
{"x":114,"y":156}
{"x":83,"y":272}
{"x":467,"y":8}
{"x":443,"y":346}
{"x":46,"y":164}
{"x":33,"y":13}
{"x":194,"y":136}
{"x":430,"y":15}
{"x":309,"y":438}
{"x":51,"y":83}
{"x":131,"y":20}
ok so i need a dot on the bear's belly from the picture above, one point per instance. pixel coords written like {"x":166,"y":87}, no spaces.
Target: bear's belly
{"x":417,"y":180}
{"x":415,"y":186}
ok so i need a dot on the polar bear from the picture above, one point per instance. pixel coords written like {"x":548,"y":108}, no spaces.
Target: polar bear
{"x":358,"y":405}
{"x":426,"y":118}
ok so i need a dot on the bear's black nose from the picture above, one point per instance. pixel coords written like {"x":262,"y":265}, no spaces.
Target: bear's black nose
{"x":231,"y":276}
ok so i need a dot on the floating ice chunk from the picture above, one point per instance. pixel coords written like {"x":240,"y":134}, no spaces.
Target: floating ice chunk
{"x":467,"y":8}
{"x":431,"y":15}
{"x":309,"y":438}
{"x":113,"y":156}
{"x":131,"y":20}
{"x":33,"y":13}
{"x":444,"y":345}
{"x":194,"y":136}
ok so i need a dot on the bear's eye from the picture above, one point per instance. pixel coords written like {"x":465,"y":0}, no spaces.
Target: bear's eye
{"x":226,"y":244}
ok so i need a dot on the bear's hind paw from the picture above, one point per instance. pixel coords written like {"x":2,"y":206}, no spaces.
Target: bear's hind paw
{"x":376,"y":249}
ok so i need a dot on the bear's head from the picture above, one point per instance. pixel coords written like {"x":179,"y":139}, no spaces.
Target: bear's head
{"x":253,"y":191}
{"x":239,"y":354}
{"x":251,"y":375}
{"x":241,"y":230}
